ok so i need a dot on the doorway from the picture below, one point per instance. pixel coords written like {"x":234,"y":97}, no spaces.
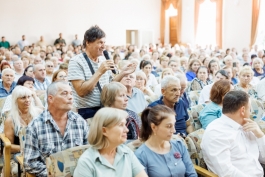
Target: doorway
{"x":173,"y":30}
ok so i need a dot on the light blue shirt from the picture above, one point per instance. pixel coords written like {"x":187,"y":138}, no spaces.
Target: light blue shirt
{"x":209,"y":113}
{"x":136,"y":102}
{"x":42,"y":85}
{"x":4,"y":92}
{"x":166,"y":165}
{"x":92,"y":164}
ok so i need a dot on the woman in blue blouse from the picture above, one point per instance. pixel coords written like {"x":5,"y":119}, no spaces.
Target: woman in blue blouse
{"x":213,"y":110}
{"x":193,"y":67}
{"x":159,"y":155}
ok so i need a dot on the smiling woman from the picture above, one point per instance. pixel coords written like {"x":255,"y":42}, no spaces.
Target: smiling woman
{"x":108,"y":155}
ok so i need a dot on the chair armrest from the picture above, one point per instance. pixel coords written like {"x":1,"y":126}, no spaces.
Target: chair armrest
{"x":6,"y":153}
{"x":204,"y":172}
{"x":5,"y":140}
{"x":20,"y":161}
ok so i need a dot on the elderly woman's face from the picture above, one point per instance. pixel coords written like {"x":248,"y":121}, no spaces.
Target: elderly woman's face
{"x":228,"y":62}
{"x":117,"y":134}
{"x":121,"y":100}
{"x":245,"y":78}
{"x":140,"y":82}
{"x":24,"y":102}
{"x":257,"y":65}
{"x":166,"y":128}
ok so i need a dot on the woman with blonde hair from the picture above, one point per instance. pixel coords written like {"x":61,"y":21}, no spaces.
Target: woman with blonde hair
{"x":21,"y":114}
{"x":258,"y":67}
{"x":114,"y":95}
{"x":108,"y":155}
{"x":140,"y":83}
{"x":245,"y":76}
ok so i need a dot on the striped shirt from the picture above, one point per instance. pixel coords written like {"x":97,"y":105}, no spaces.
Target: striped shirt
{"x":41,"y":85}
{"x":79,"y":70}
{"x":43,"y":137}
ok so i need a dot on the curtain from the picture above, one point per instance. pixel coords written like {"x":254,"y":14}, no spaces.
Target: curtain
{"x":196,"y":15}
{"x":254,"y":24}
{"x":177,"y":4}
{"x":219,"y":21}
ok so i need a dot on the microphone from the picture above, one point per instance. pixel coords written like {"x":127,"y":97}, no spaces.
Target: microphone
{"x":106,"y":55}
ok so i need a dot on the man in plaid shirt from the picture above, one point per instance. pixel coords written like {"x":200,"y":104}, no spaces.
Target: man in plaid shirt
{"x":56,"y":129}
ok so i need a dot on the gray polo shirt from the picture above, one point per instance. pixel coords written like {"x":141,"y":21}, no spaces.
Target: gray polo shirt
{"x":79,"y":70}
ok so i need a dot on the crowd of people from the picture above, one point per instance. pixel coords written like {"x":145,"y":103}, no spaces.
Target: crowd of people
{"x":68,"y":95}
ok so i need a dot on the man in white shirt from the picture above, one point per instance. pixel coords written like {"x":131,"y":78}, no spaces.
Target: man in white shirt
{"x":234,"y":145}
{"x":205,"y":92}
{"x":19,"y":69}
{"x":22,"y":43}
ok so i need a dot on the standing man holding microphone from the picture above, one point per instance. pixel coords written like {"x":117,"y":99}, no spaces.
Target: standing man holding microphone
{"x":88,"y":76}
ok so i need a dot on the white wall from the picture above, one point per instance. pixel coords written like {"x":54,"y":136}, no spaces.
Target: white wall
{"x":50,"y":17}
{"x":187,"y":29}
{"x":236,"y":23}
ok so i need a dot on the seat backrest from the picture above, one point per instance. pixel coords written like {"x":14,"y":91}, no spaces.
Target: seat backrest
{"x":194,"y":113}
{"x":194,"y":97}
{"x":196,"y":138}
{"x":257,"y":110}
{"x":63,"y":163}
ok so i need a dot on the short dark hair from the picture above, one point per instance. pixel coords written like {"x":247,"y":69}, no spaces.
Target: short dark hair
{"x":218,"y":91}
{"x":92,"y":34}
{"x":223,"y":73}
{"x":23,"y":79}
{"x":143,"y":63}
{"x":234,"y":100}
{"x":153,"y":115}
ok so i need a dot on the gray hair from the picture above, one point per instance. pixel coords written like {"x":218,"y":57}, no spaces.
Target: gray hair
{"x":53,"y":87}
{"x":8,"y":70}
{"x":36,"y":66}
{"x":166,"y":80}
{"x":181,"y":77}
{"x":255,"y":60}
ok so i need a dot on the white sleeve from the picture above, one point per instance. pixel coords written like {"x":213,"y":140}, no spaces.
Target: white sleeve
{"x":261,"y":145}
{"x":216,"y":152}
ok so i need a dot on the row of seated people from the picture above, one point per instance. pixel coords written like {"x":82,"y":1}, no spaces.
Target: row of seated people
{"x":132,"y":99}
{"x":40,"y":132}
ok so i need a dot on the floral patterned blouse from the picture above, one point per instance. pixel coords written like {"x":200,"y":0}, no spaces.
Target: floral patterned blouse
{"x":251,"y":91}
{"x":197,"y":84}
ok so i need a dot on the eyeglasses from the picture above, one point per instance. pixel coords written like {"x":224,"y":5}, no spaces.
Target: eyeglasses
{"x":62,"y":77}
{"x":50,"y":66}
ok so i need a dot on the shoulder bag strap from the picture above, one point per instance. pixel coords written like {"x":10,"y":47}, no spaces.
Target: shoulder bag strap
{"x":92,"y":70}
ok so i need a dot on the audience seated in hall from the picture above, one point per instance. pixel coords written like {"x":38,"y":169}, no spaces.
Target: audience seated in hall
{"x":213,"y":110}
{"x":160,"y":155}
{"x":66,"y":127}
{"x":234,"y":140}
{"x":107,"y":134}
{"x":114,"y":95}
